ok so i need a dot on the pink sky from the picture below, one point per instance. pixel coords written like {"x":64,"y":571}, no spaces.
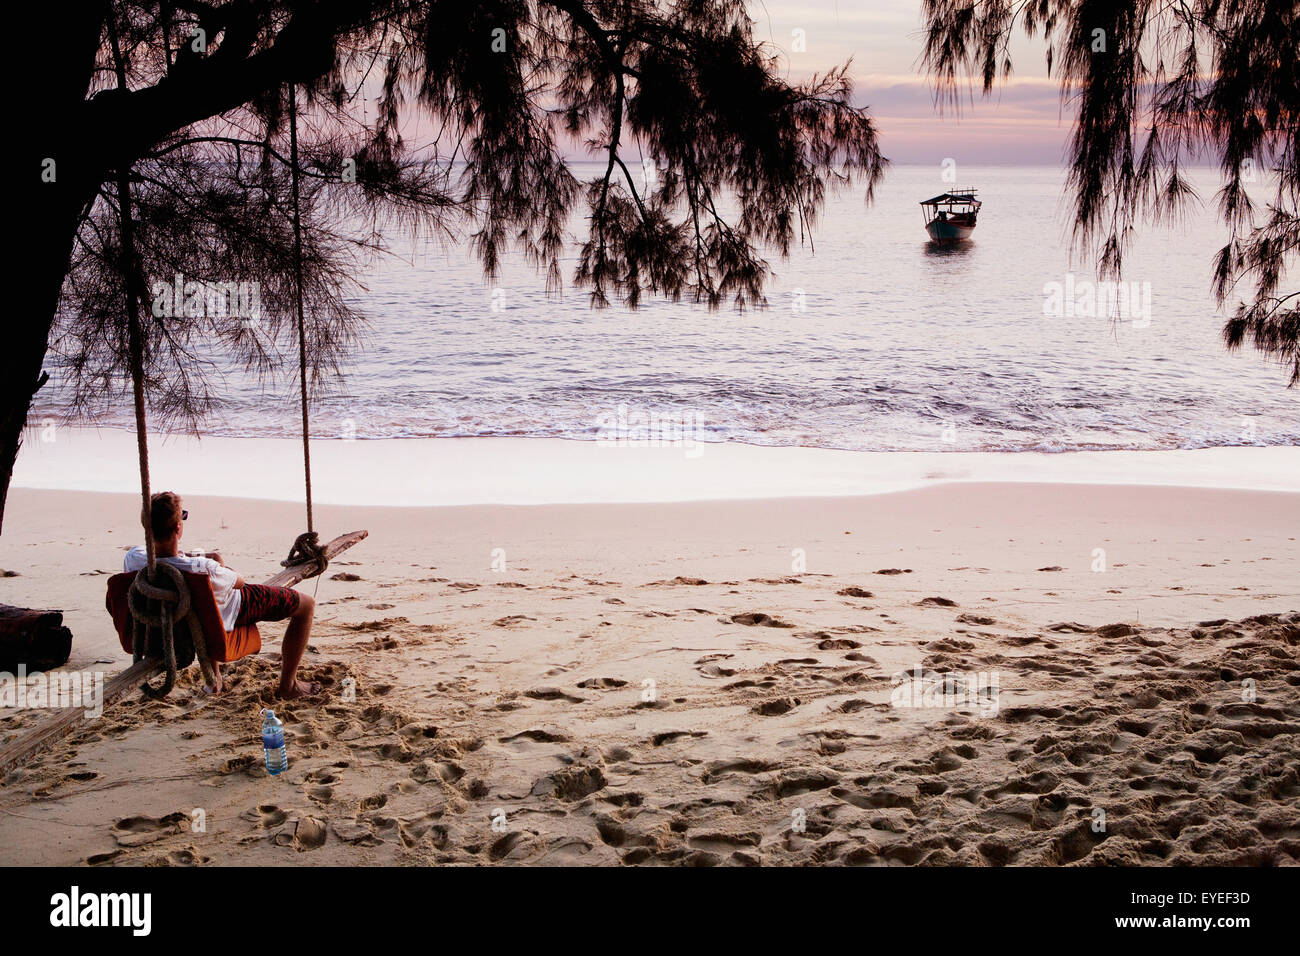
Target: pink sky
{"x":1020,"y":123}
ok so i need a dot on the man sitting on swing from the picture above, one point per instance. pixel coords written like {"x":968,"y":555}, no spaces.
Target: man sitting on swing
{"x":238,"y":601}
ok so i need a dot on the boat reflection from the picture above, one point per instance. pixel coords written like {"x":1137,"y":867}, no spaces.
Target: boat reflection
{"x":949,"y":249}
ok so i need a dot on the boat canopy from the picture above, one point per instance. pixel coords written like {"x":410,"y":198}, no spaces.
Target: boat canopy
{"x":956,"y":197}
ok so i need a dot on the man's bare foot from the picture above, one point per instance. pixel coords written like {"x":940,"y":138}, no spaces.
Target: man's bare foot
{"x":299,"y":688}
{"x":215,"y":689}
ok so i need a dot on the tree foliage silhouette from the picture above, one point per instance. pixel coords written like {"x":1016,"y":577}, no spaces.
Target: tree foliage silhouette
{"x":744,"y":159}
{"x":1156,"y":86}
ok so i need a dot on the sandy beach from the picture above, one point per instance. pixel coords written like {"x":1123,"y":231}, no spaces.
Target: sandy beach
{"x":705,"y":682}
{"x":615,"y":435}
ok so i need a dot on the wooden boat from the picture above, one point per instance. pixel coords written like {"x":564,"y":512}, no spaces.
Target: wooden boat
{"x":950,"y":216}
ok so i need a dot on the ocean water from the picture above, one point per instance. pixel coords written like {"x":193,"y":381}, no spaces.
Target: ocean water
{"x":873,"y":340}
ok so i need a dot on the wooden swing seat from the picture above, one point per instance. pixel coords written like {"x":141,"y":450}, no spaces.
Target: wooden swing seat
{"x":223,"y":646}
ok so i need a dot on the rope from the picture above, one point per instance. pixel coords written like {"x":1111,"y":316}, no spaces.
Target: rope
{"x":135,"y":337}
{"x":157,"y":605}
{"x":306,"y":548}
{"x":297,"y":275}
{"x":146,"y":598}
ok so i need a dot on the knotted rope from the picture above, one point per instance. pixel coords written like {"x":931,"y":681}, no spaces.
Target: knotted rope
{"x":156,"y":606}
{"x":306,"y":549}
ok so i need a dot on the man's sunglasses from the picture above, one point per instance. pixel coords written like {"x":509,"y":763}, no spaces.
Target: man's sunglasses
{"x":185,"y":515}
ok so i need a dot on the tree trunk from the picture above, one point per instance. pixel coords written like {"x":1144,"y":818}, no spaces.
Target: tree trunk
{"x":58,"y":173}
{"x":50,"y":230}
{"x":14,"y":405}
{"x":85,"y":140}
{"x":22,"y":377}
{"x":36,"y":639}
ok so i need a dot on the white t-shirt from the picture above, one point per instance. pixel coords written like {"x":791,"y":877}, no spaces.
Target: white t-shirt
{"x":229,"y":599}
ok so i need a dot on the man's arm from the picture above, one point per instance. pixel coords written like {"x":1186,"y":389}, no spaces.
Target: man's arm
{"x":216,"y":556}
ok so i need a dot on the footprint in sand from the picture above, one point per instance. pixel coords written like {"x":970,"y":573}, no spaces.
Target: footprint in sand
{"x":795,"y":781}
{"x":387,"y":624}
{"x":723,"y":767}
{"x":720,"y":840}
{"x":355,"y":832}
{"x":774,"y":708}
{"x":1021,"y":640}
{"x":759,"y":619}
{"x":506,"y":846}
{"x":306,"y":833}
{"x":570,"y":784}
{"x":702,"y":665}
{"x":1070,"y":627}
{"x":553,"y":693}
{"x":853,"y":705}
{"x":716,"y":670}
{"x":658,"y":740}
{"x":321,"y":794}
{"x":326,"y":774}
{"x":949,"y":644}
{"x":1116,"y":630}
{"x":428,"y":770}
{"x":418,"y":730}
{"x":536,"y":736}
{"x":181,"y":856}
{"x":265,"y":815}
{"x":243,"y":762}
{"x":138,"y":831}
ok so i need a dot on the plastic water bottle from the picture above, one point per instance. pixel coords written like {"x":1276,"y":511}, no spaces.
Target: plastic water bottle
{"x":277,"y":758}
